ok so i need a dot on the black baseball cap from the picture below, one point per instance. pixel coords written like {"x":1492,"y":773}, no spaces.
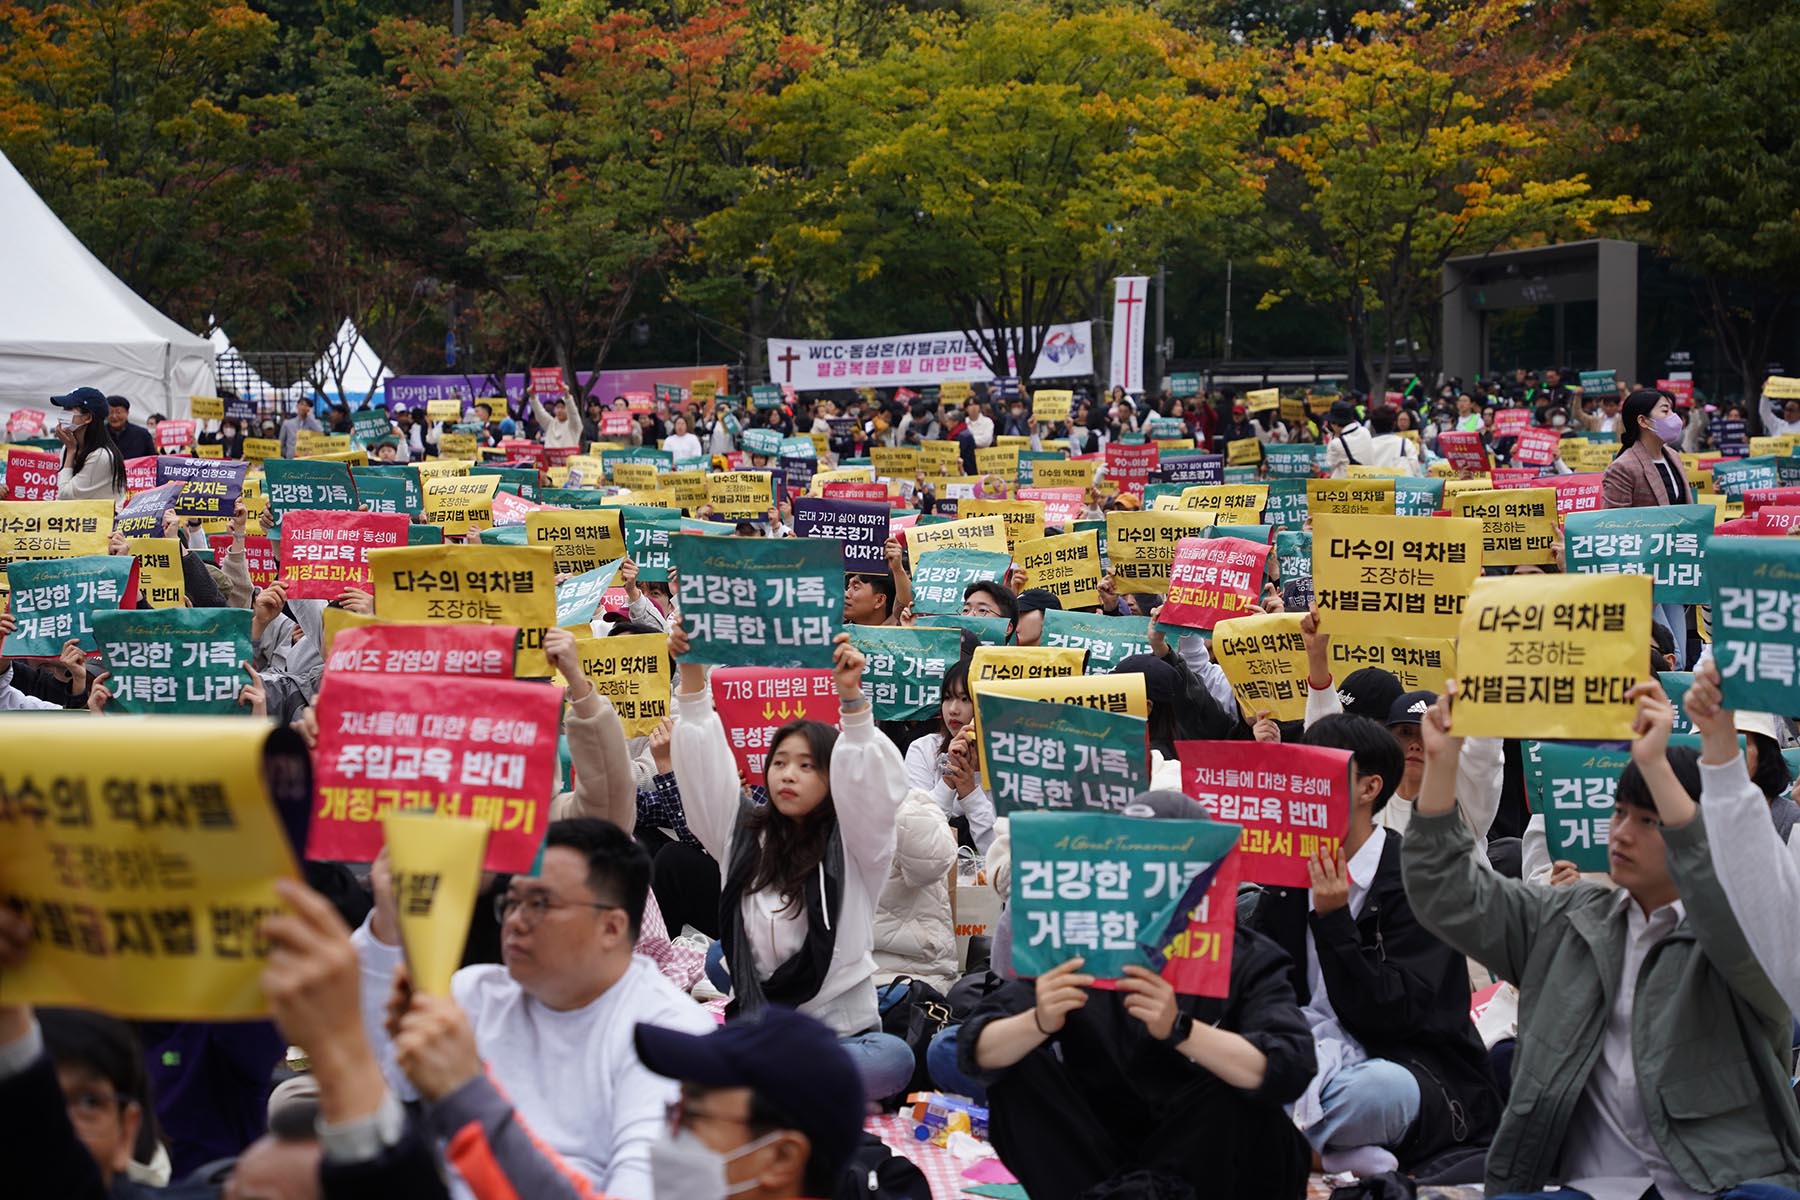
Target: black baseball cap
{"x":1369,"y":692}
{"x":89,"y":400}
{"x":792,"y":1061}
{"x":1037,"y":600}
{"x":1410,"y":709}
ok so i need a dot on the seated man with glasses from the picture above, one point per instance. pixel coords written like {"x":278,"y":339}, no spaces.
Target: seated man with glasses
{"x":554,"y":1024}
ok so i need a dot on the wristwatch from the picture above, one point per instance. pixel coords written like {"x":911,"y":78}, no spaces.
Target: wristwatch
{"x":1184,"y":1025}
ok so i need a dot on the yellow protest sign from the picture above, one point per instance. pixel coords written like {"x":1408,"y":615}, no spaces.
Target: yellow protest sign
{"x":1264,"y":657}
{"x":1046,"y":473}
{"x":1781,"y":387}
{"x":650,"y":498}
{"x":1243,"y":452}
{"x":740,"y":495}
{"x":703,"y":391}
{"x":1122,"y":693}
{"x":159,"y":571}
{"x":581,"y":539}
{"x":443,"y":410}
{"x":356,"y":458}
{"x":1141,"y":546}
{"x":1014,"y":440}
{"x":1227,"y":503}
{"x":1518,"y":525}
{"x":1374,"y":497}
{"x":1781,"y":445}
{"x":1293,"y":408}
{"x":436,"y":865}
{"x":970,"y":533}
{"x":1552,"y":656}
{"x":821,"y":446}
{"x":956,"y":391}
{"x":1320,"y":402}
{"x":53,"y":528}
{"x":472,"y":585}
{"x":1420,"y":664}
{"x":631,"y":670}
{"x":1481,"y":481}
{"x":461,"y":502}
{"x":1051,"y":406}
{"x":1067,"y":566}
{"x":1584,"y":456}
{"x":998,"y":460}
{"x":458,"y":445}
{"x":1717,"y":500}
{"x":308,"y":443}
{"x":1372,"y":573}
{"x":145,"y":873}
{"x":1009,"y":663}
{"x":838,"y":475}
{"x":1262,"y":399}
{"x":209,"y":450}
{"x":1365,"y":471}
{"x":689,"y":487}
{"x":940,"y":458}
{"x":261,"y":449}
{"x":1024,"y":518}
{"x":207,"y":408}
{"x":1441,"y":469}
{"x":437,"y":468}
{"x":639,"y":477}
{"x":895,"y":462}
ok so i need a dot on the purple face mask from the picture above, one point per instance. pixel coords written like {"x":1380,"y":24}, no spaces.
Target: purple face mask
{"x":1667,"y":427}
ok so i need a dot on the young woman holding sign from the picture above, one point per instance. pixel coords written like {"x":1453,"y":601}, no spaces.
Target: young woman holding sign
{"x":802,"y":873}
{"x":1649,"y":473}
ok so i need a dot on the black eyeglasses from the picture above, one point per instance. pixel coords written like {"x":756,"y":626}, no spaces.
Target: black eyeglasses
{"x":533,"y":907}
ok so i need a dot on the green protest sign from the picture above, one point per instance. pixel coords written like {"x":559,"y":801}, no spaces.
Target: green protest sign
{"x":1572,"y":787}
{"x":1167,"y":429}
{"x":175,"y":660}
{"x":424,"y":535}
{"x":1262,"y":535}
{"x":1676,"y":684}
{"x":990,"y":631}
{"x":564,"y":497}
{"x":906,"y":668}
{"x":579,"y":595}
{"x":759,"y":602}
{"x":504,"y":535}
{"x":290,"y":484}
{"x":1242,"y":474}
{"x":382,"y":494}
{"x":1418,"y":497}
{"x":1184,"y":385}
{"x":55,"y":599}
{"x":1733,"y":479}
{"x":1286,"y":507}
{"x":647,"y":544}
{"x":1754,"y":583}
{"x":525,"y":479}
{"x":766,"y":395}
{"x":941,"y":576}
{"x":1099,"y":527}
{"x":367,"y":424}
{"x":1297,"y":461}
{"x":1667,"y":543}
{"x":1107,"y":640}
{"x":413,"y":501}
{"x":1047,"y":757}
{"x":1120,"y":891}
{"x":1595,"y":382}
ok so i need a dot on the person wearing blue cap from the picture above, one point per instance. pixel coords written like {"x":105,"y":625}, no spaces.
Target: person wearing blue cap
{"x":92,"y":466}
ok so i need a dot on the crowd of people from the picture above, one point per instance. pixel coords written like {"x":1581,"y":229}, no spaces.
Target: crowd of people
{"x":704,"y":988}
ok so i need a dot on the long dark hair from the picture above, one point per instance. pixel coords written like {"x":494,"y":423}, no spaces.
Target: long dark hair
{"x":957,"y":679}
{"x":96,"y":436}
{"x":1638,"y":404}
{"x":789,"y":851}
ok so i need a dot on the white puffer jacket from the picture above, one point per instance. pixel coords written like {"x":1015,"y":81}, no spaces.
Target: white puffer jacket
{"x":913,"y":931}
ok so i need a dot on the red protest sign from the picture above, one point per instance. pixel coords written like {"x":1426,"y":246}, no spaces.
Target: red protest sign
{"x":524,"y":450}
{"x":1511,"y":422}
{"x":875,"y":493}
{"x":1464,"y":450}
{"x":1200,"y":959}
{"x":1213,"y":580}
{"x":259,"y":556}
{"x":174,"y":435}
{"x":639,"y":402}
{"x":1681,"y":389}
{"x":485,"y":650}
{"x":1578,"y":493}
{"x":512,"y":510}
{"x":433,"y":743}
{"x":1756,"y":499}
{"x":1291,"y":801}
{"x":1537,"y":446}
{"x":322,"y":553}
{"x":615,"y":424}
{"x":24,"y":422}
{"x":1515,"y":477}
{"x":547,"y":381}
{"x":140,"y":473}
{"x":1130,"y":466}
{"x":1062,"y":506}
{"x":557,"y":456}
{"x":752,"y":702}
{"x":1776,"y":520}
{"x":32,"y":474}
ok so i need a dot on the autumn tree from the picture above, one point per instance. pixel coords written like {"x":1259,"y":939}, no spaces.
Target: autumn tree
{"x":142,"y":124}
{"x":1008,"y":166}
{"x":1691,"y":107}
{"x":1402,"y":149}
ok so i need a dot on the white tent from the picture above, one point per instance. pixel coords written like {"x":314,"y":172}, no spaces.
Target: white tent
{"x":233,"y":372}
{"x":361,"y":368}
{"x":68,"y":322}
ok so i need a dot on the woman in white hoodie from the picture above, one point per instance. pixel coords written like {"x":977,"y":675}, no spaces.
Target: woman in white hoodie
{"x":802,"y":873}
{"x":942,"y":764}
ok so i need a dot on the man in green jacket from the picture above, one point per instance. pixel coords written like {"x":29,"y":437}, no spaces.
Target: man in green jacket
{"x":1653,"y":1050}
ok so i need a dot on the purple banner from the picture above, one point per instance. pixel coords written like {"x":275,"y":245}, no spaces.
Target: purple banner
{"x":861,"y":528}
{"x":415,"y":391}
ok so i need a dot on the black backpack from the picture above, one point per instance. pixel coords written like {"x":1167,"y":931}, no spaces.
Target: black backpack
{"x":875,"y":1172}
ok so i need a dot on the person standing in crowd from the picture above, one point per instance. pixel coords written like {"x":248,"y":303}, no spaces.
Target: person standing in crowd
{"x":1649,"y":473}
{"x":1653,"y":1051}
{"x":802,"y":873}
{"x":301,"y":420}
{"x":1350,"y":445}
{"x":1386,"y":447}
{"x":978,"y":425}
{"x":942,"y":763}
{"x":1782,"y":422}
{"x":560,"y":424}
{"x":93,"y":468}
{"x":133,"y":441}
{"x":682,"y":442}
